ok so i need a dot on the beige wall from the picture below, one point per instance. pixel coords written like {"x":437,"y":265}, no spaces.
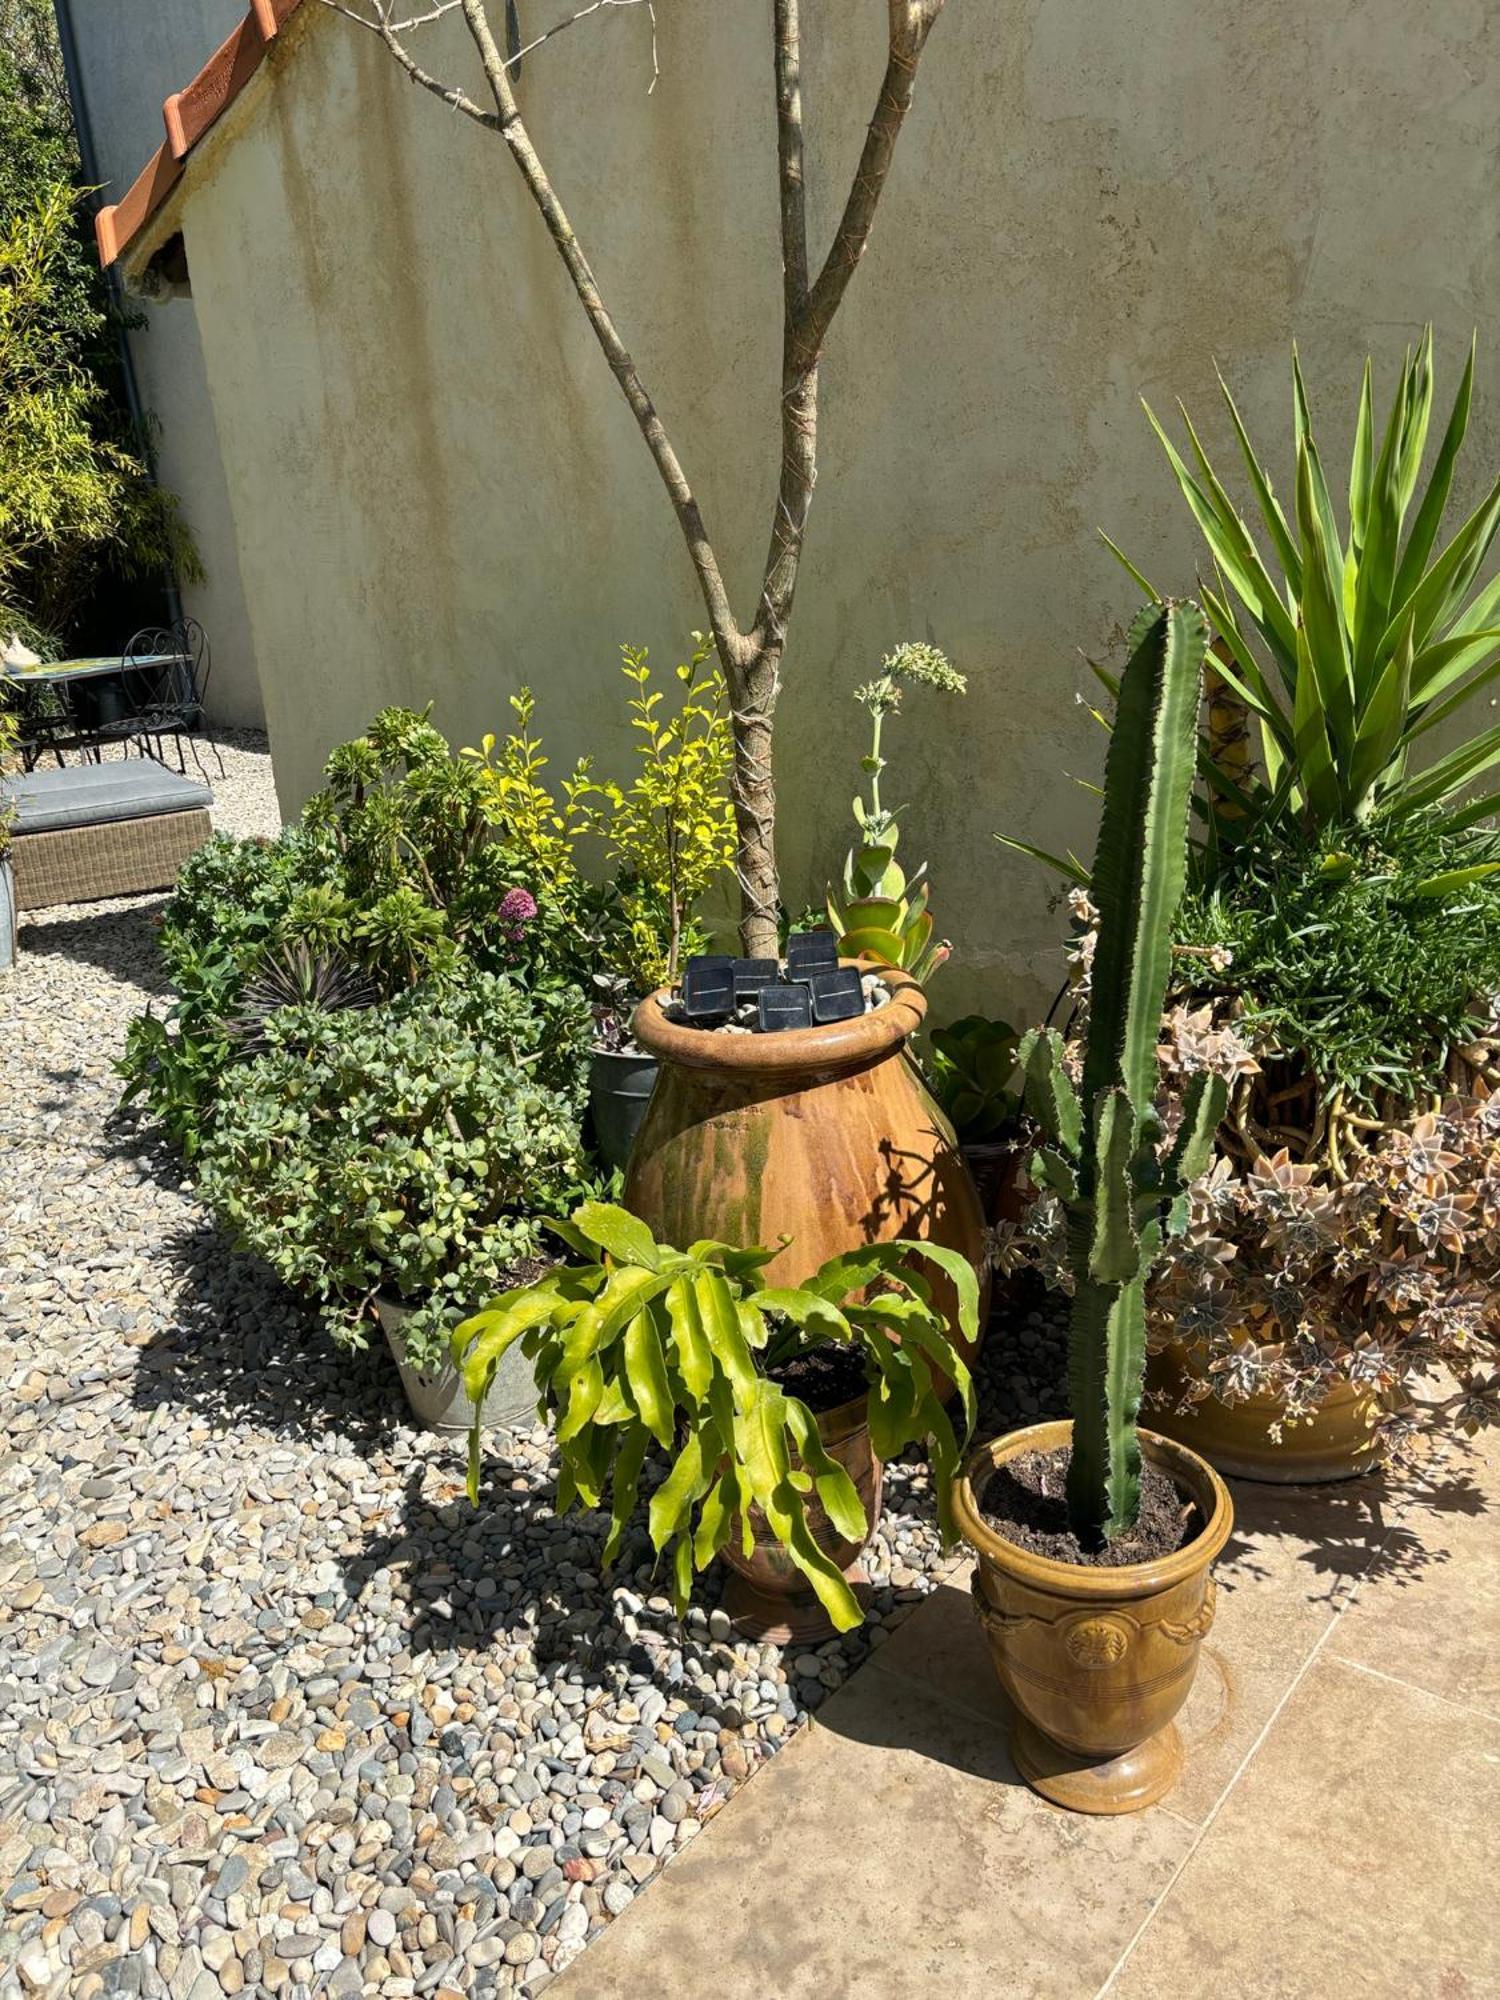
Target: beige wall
{"x":130,"y":58}
{"x":437,"y":492}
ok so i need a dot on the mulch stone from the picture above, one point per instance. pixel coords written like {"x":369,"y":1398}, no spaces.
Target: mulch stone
{"x":279,"y":1711}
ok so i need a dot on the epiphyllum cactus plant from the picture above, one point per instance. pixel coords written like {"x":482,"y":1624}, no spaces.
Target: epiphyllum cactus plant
{"x":884,"y":914}
{"x":1102,"y":1154}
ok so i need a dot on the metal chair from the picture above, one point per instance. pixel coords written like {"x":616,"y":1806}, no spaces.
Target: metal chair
{"x":169,"y":696}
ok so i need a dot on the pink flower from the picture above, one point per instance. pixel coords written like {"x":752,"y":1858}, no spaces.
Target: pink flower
{"x":517,"y":906}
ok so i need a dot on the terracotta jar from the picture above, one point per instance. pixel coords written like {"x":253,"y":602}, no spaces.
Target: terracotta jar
{"x":767,"y":1596}
{"x":1236,"y":1438}
{"x":1096,"y":1662}
{"x":825,"y":1135}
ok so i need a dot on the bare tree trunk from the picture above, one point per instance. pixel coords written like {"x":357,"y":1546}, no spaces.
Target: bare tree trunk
{"x":753,"y":688}
{"x":751,"y":659}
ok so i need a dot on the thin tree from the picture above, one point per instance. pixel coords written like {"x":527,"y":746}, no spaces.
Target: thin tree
{"x":751,"y":651}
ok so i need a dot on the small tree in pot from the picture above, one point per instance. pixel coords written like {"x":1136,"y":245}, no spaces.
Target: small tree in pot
{"x":1096,"y":1687}
{"x":752,"y":650}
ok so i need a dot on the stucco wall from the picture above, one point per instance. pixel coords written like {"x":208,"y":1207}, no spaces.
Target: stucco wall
{"x":438,"y":493}
{"x":131,"y":57}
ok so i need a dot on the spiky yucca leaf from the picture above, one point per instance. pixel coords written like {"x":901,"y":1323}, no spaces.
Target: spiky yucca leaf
{"x":1347,"y":649}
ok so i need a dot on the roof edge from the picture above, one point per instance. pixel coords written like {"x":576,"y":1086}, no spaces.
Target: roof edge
{"x":187,"y":115}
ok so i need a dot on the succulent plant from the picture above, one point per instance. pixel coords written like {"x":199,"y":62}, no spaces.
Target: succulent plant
{"x":1102,"y":1153}
{"x":643,"y":1344}
{"x":884,"y":914}
{"x":294,"y":974}
{"x":1347,"y":650}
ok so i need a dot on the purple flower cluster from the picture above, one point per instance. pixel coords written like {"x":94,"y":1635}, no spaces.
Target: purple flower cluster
{"x":517,"y":908}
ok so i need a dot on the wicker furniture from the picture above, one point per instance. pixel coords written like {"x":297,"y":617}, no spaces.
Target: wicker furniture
{"x":95,"y":830}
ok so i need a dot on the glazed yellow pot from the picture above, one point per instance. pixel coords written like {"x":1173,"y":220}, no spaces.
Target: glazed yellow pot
{"x":1338,"y":1442}
{"x":1096,"y":1662}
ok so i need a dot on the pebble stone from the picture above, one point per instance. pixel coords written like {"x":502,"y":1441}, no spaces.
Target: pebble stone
{"x":279,"y":1711}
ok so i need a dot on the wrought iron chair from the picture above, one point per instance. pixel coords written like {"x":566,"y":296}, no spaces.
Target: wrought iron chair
{"x":168,"y":697}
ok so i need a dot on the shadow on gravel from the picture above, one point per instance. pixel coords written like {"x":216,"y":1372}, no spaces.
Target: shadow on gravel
{"x":241,"y":1349}
{"x":121,"y":943}
{"x":469,"y":1580}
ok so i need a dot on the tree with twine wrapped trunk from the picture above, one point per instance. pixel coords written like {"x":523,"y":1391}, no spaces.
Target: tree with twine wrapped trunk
{"x":751,"y":650}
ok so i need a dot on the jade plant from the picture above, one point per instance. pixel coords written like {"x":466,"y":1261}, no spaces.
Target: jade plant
{"x":1103,"y":1151}
{"x":884,"y":912}
{"x":640,"y":1345}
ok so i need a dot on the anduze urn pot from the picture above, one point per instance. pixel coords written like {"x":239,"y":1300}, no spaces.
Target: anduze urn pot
{"x":1096,"y":1662}
{"x":825,"y":1135}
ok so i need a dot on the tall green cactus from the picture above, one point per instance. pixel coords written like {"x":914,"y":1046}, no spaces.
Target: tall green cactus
{"x":1101,"y":1153}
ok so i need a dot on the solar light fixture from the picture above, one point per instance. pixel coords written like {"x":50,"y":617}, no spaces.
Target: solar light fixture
{"x":837,"y":996}
{"x":787,"y":1004}
{"x":751,"y":974}
{"x":708,"y":988}
{"x":811,"y":952}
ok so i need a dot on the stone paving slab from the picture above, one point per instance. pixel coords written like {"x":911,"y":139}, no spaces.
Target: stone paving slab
{"x":1337,"y":1830}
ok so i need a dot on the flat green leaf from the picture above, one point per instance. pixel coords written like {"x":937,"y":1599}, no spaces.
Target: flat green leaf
{"x":1449,"y":774}
{"x":716,"y":1517}
{"x":1424,"y":530}
{"x":688,"y":1480}
{"x":816,"y":1315}
{"x":615,"y":1230}
{"x":1446,"y":884}
{"x":721,"y":1324}
{"x":584,"y":1391}
{"x":1071,"y":867}
{"x":831,"y":1482}
{"x":695,"y":1359}
{"x":646,"y":1371}
{"x":1270,"y":506}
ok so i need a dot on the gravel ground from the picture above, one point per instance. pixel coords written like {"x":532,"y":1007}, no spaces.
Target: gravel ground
{"x":279,"y":1712}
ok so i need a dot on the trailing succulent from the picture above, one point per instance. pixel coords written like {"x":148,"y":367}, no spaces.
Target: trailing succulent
{"x":883,"y":914}
{"x":1103,"y":1151}
{"x":640,"y":1345}
{"x":403,"y":1148}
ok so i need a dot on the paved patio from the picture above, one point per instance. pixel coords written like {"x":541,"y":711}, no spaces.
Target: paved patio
{"x":1337,"y":1830}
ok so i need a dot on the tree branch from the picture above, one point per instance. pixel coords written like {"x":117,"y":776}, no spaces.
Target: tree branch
{"x":513,"y":129}
{"x":808,"y":313}
{"x":911,"y":22}
{"x":788,"y":36}
{"x":449,"y":93}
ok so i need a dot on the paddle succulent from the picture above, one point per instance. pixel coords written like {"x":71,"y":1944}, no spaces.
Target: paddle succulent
{"x":884,"y":914}
{"x":1101,"y":1155}
{"x":642,"y":1344}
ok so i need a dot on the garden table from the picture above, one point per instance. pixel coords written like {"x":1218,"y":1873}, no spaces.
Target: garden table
{"x":100,"y":679}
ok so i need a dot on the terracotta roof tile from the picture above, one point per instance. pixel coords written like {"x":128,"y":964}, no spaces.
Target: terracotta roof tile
{"x":188,"y":114}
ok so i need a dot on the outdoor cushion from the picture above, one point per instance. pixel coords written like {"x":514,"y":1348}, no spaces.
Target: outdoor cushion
{"x":93,"y":794}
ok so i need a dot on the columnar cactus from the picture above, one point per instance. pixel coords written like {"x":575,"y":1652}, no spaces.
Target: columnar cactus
{"x":1101,"y":1155}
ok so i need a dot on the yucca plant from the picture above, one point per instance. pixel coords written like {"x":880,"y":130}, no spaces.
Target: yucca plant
{"x":1350,"y":645}
{"x":1102,"y":1157}
{"x":641,"y":1345}
{"x":884,"y":914}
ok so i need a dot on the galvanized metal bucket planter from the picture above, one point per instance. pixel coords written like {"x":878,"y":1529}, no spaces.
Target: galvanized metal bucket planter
{"x":438,"y":1399}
